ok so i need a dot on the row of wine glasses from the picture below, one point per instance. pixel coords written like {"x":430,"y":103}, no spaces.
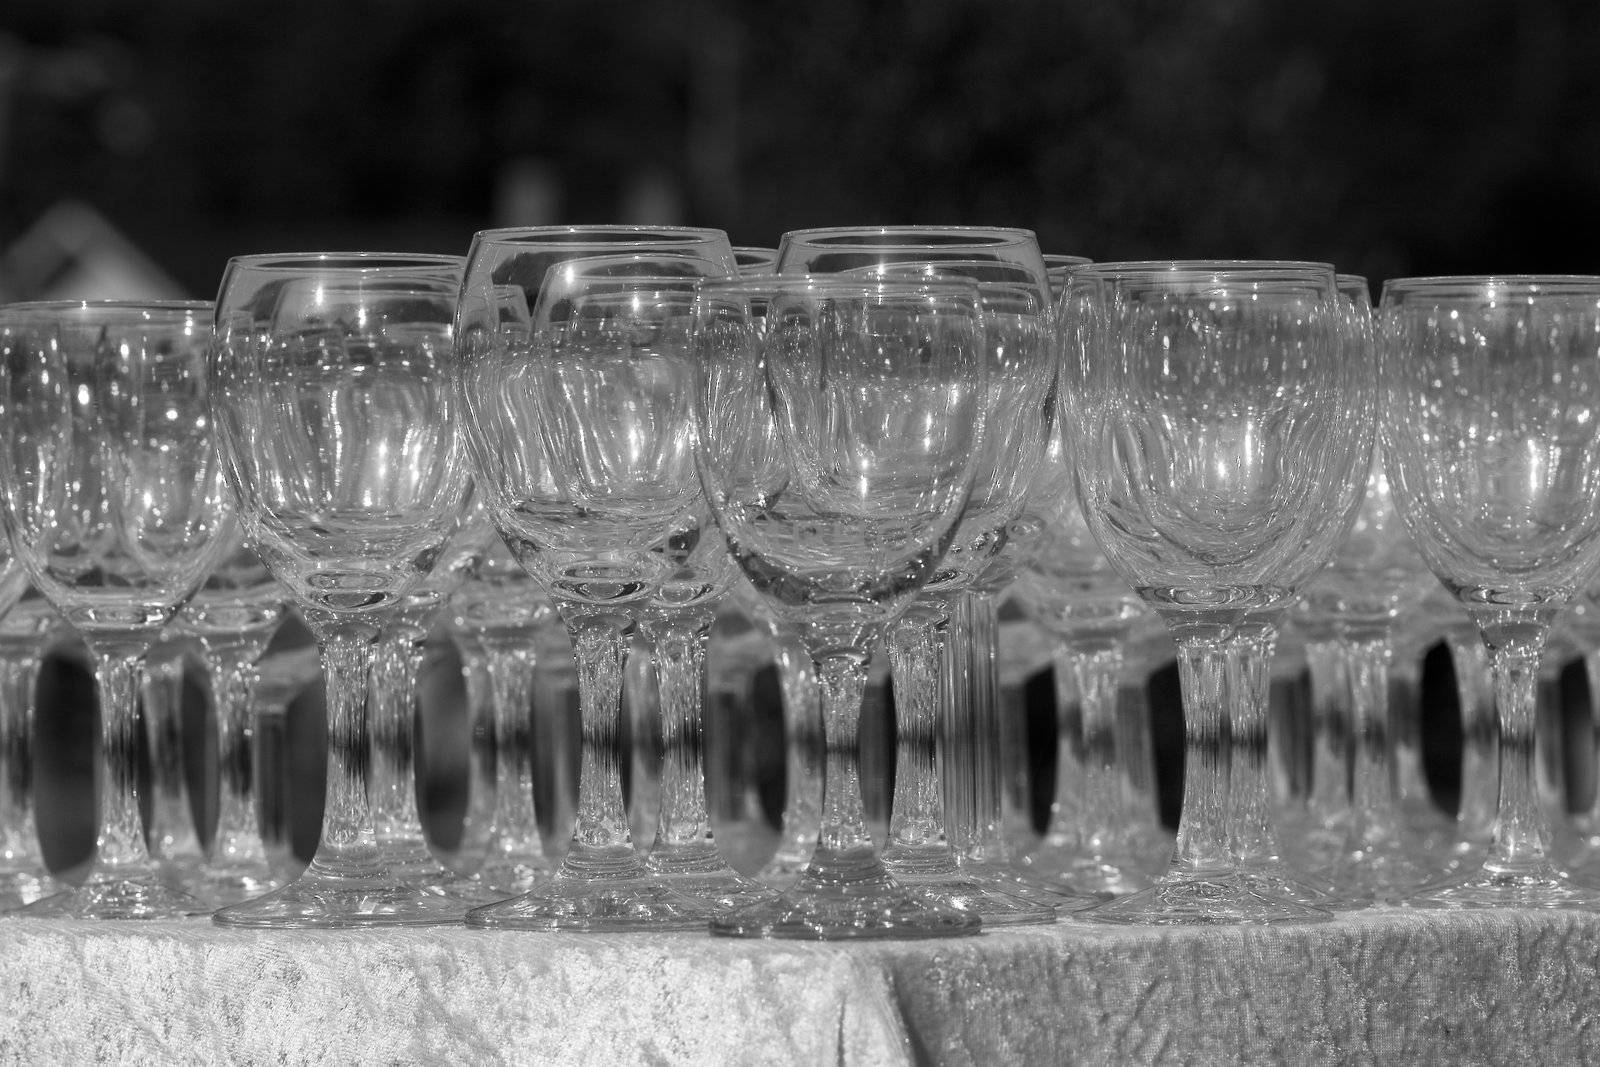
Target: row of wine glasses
{"x":871,"y":442}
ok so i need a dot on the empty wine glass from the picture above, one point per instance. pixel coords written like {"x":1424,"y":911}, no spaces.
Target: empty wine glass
{"x":841,"y":424}
{"x":25,"y":632}
{"x":1221,"y":435}
{"x":577,"y":383}
{"x":942,"y":672}
{"x":114,"y":500}
{"x":335,"y":410}
{"x":1490,"y":392}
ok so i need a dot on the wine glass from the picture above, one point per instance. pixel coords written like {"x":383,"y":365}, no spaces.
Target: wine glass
{"x":841,"y":428}
{"x":334,"y":408}
{"x":577,"y":386}
{"x":1221,"y":435}
{"x":934,"y":651}
{"x":26,"y":630}
{"x":233,"y":616}
{"x":1490,"y":391}
{"x":114,"y":501}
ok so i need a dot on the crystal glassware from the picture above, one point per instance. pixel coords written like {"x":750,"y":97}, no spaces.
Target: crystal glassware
{"x":115,"y":502}
{"x":945,"y":676}
{"x":1221,"y":434}
{"x":1490,"y":391}
{"x":333,"y":402}
{"x":576,"y":373}
{"x":841,"y":428}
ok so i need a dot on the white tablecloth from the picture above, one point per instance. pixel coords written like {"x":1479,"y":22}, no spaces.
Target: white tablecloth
{"x":1489,"y":988}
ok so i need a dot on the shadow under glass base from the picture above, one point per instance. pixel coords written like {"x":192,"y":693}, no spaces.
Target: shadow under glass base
{"x":1539,"y":885}
{"x":1202,"y":898}
{"x":846,"y":896}
{"x":326,"y":897}
{"x":597,"y":890}
{"x":110,"y":896}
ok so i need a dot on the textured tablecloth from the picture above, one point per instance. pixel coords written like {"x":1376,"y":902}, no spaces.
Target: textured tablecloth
{"x":1386,"y":987}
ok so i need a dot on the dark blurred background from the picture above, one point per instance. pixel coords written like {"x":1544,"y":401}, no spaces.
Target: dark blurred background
{"x":141,"y":145}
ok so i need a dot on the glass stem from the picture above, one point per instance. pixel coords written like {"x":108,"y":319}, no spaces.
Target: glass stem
{"x":1249,"y":680}
{"x":1067,"y":803}
{"x":233,"y":678}
{"x":1097,"y":670}
{"x":122,"y":845}
{"x":348,"y":847}
{"x":916,"y":827}
{"x":600,"y":835}
{"x":1521,"y":830}
{"x":514,"y":834}
{"x":1374,"y":796}
{"x":483,"y":795}
{"x":803,"y":754}
{"x":1329,"y":796}
{"x":172,"y":834}
{"x":683,"y":830}
{"x":20,"y":852}
{"x":973,"y":638}
{"x":1480,"y":735}
{"x":845,"y":851}
{"x":1203,"y":835}
{"x":1136,"y":752}
{"x":392,"y":776}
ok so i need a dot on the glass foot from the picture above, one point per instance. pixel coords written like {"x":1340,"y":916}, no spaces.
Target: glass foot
{"x":18,"y":889}
{"x":107,"y":896}
{"x":1382,"y":874}
{"x":597,"y":891}
{"x":1542,"y":886}
{"x":1100,"y":877}
{"x":220,"y":888}
{"x":1059,"y":895}
{"x":846,"y":896}
{"x":326,"y":898}
{"x":708,"y":879}
{"x":511,"y":877}
{"x":990,"y":899}
{"x":1217,"y":898}
{"x":782,"y":870}
{"x":1275,"y":878}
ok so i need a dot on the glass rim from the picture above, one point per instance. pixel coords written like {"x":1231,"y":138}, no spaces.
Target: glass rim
{"x":764,"y":284}
{"x":352,"y":262}
{"x":1462,"y":285}
{"x":32,"y":308}
{"x":840,"y":237}
{"x":513,"y":235}
{"x":1266,"y":268}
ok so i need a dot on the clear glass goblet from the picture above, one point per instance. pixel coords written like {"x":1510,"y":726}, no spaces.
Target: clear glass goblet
{"x":1221,"y":434}
{"x":114,"y":499}
{"x":841,"y":428}
{"x":947,"y":681}
{"x":578,"y":386}
{"x":333,"y":402}
{"x":1490,"y":392}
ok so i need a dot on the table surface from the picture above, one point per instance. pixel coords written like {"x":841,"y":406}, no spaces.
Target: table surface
{"x":1382,"y":986}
